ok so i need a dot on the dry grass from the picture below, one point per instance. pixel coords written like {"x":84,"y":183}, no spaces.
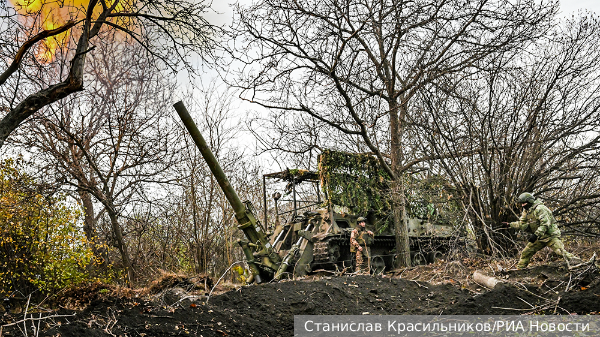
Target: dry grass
{"x":199,"y":283}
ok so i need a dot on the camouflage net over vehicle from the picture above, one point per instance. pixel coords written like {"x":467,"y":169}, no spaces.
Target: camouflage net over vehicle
{"x":433,"y":198}
{"x":358,"y":182}
{"x":355,"y":181}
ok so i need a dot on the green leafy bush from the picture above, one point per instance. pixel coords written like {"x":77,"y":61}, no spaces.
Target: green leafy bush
{"x":41,"y":246}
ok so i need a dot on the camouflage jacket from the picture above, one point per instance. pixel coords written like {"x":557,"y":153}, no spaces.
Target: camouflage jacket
{"x":538,"y":219}
{"x":357,"y":238}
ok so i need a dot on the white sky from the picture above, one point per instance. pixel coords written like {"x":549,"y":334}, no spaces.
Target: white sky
{"x":570,"y":6}
{"x":223,"y":7}
{"x":223,"y":14}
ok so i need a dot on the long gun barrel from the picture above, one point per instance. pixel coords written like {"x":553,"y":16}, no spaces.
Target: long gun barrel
{"x":213,"y":164}
{"x":243,"y":214}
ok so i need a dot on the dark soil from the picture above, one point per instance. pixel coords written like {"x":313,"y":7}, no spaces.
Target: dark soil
{"x":269,"y":309}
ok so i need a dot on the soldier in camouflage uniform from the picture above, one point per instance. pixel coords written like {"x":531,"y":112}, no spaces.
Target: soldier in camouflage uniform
{"x":538,"y":220}
{"x":358,"y":244}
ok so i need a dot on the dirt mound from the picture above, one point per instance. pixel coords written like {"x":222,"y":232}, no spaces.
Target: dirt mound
{"x":340,"y":296}
{"x":269,"y":309}
{"x":584,"y":301}
{"x":504,"y":299}
{"x":261,"y":310}
{"x":543,"y":289}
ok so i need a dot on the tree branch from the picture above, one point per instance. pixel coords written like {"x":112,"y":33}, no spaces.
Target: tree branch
{"x":29,"y":43}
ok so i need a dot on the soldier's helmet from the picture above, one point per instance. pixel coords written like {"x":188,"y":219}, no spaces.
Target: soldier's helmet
{"x":526,"y":198}
{"x":360,"y":219}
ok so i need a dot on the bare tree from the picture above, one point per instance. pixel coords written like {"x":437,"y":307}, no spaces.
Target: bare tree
{"x":115,"y":142}
{"x":528,"y":124}
{"x":169,"y":32}
{"x":355,"y":67}
{"x":205,"y":213}
{"x":210,"y":212}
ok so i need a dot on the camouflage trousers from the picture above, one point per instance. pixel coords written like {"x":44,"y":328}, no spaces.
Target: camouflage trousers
{"x":555,"y":244}
{"x":362,"y":258}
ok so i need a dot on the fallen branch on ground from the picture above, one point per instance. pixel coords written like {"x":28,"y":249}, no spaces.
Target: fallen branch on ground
{"x":579,"y":272}
{"x":484,"y":280}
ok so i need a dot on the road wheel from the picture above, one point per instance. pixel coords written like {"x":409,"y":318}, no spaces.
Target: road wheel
{"x":434,"y":256}
{"x":418,"y":259}
{"x":377,"y":265}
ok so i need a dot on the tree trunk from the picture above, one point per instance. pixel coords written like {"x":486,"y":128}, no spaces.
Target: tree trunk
{"x":120,"y":243}
{"x":89,"y":226}
{"x":397,"y":197}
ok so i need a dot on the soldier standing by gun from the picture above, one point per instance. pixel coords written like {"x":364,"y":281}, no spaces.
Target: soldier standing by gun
{"x":358,"y":244}
{"x":538,"y":220}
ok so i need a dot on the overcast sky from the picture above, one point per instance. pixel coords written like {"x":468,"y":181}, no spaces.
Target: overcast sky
{"x":223,"y":15}
{"x":223,"y":7}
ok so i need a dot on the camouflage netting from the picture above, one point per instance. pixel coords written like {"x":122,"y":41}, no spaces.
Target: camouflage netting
{"x":355,"y":181}
{"x":433,"y":198}
{"x":358,"y":182}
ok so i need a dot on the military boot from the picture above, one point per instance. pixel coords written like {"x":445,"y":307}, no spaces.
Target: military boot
{"x":522,"y":264}
{"x":573,"y":261}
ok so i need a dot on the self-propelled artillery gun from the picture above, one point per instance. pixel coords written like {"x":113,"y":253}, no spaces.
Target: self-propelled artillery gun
{"x":315,"y":234}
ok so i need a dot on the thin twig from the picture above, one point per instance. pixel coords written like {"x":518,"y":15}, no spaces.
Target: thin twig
{"x":553,"y":289}
{"x":35,"y":319}
{"x":219,"y":280}
{"x":588,"y":263}
{"x":524,"y":288}
{"x":533,"y":306}
{"x":110,"y":320}
{"x":25,"y":315}
{"x":37,"y":330}
{"x":511,"y":308}
{"x":421,"y":286}
{"x":569,"y":283}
